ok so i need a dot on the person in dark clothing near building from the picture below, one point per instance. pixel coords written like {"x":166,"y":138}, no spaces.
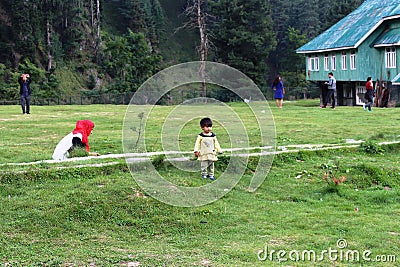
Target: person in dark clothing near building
{"x":385,"y":98}
{"x":369,"y":95}
{"x":25,"y":92}
{"x":331,"y":91}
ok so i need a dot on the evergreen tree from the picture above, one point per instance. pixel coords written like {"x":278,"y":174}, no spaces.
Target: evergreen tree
{"x":304,"y":16}
{"x":157,"y":23}
{"x":129,"y":61}
{"x":6,"y":33}
{"x":281,"y":22}
{"x":243,"y":36}
{"x":325,"y":10}
{"x":293,"y":64}
{"x":133,"y":15}
{"x":71,"y":28}
{"x":23,"y":30}
{"x":340,"y":9}
{"x":144,"y":16}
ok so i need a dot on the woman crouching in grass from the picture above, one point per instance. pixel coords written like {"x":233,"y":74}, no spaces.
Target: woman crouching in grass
{"x":76,"y":143}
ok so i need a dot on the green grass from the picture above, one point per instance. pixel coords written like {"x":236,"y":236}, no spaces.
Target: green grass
{"x":99,"y":216}
{"x":34,"y":137}
{"x":83,"y":216}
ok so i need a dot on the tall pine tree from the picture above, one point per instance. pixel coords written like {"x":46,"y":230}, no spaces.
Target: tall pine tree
{"x":243,"y":36}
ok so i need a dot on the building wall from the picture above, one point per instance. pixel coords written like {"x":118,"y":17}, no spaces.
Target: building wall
{"x":370,"y":61}
{"x":339,"y":73}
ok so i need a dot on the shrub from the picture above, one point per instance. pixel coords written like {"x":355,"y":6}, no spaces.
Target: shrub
{"x":367,"y":175}
{"x":371,"y":147}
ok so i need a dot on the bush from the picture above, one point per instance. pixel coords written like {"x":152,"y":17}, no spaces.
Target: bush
{"x":368,"y":175}
{"x":371,"y":147}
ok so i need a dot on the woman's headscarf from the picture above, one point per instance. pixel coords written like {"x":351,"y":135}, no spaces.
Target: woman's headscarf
{"x":85,"y":128}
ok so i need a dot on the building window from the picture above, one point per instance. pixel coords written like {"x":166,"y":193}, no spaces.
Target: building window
{"x":353,"y":60}
{"x":347,"y":93}
{"x":326,"y":62}
{"x":313,"y":63}
{"x":390,"y":57}
{"x":360,"y":92}
{"x":344,"y":61}
{"x":316,"y":63}
{"x":333,"y":62}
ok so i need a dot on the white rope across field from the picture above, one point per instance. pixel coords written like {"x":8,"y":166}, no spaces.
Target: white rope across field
{"x":184,"y":156}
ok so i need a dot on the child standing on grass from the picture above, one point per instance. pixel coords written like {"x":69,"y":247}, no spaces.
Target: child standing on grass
{"x":206,"y":149}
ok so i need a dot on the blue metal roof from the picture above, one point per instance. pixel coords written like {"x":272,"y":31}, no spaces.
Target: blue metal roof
{"x":391,"y":37}
{"x":352,"y":30}
{"x":396,"y":80}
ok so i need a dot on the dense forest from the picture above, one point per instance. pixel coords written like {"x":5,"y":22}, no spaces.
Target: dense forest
{"x":105,"y":46}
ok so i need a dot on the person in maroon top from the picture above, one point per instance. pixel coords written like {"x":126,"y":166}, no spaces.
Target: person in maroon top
{"x":369,"y":95}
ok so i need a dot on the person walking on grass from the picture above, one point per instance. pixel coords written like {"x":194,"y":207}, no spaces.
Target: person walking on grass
{"x":279,"y":89}
{"x":25,"y":92}
{"x":331,"y":91}
{"x":369,"y":95}
{"x":206,"y":149}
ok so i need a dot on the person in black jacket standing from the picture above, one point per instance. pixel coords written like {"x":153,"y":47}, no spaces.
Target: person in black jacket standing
{"x":331,"y":91}
{"x":25,"y":92}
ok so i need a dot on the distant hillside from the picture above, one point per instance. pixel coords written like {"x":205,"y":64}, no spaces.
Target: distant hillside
{"x":90,"y":47}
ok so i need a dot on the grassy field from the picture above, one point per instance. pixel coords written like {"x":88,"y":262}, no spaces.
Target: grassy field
{"x":98,"y":216}
{"x":33,"y":137}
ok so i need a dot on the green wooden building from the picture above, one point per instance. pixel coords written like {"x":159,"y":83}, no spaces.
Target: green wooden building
{"x":366,"y":43}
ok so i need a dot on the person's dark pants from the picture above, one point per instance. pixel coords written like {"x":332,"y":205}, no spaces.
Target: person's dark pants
{"x":330,"y":95}
{"x":25,"y":104}
{"x":370,"y":100}
{"x":76,"y":143}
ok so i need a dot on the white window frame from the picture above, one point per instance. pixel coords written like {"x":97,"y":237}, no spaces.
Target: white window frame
{"x":313,"y":63}
{"x":344,"y":61}
{"x":326,"y":63}
{"x":390,"y":57}
{"x":353,"y":62}
{"x":333,"y":62}
{"x":360,"y":92}
{"x":316,"y":63}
